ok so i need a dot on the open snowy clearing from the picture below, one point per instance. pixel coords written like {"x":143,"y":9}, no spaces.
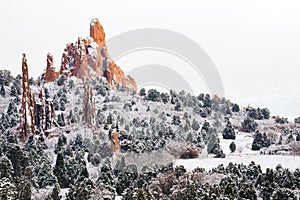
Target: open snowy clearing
{"x":265,"y":161}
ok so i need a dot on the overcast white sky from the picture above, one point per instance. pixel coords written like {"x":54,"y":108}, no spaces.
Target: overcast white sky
{"x":254,"y":44}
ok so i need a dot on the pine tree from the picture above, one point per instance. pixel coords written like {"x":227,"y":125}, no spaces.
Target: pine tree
{"x":2,"y":91}
{"x":61,"y":119}
{"x":13,"y":91}
{"x":235,"y":108}
{"x":195,"y":125}
{"x":25,"y":193}
{"x":232,"y":147}
{"x":260,"y":141}
{"x":228,"y":132}
{"x":12,"y":108}
{"x":7,"y":189}
{"x":6,"y":168}
{"x":54,"y":195}
{"x":60,"y":171}
{"x":84,"y":190}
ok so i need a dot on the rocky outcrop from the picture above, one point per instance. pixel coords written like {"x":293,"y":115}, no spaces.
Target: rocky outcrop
{"x":37,"y":115}
{"x":88,"y":58}
{"x":116,"y":76}
{"x":44,"y":113}
{"x":50,"y":74}
{"x":97,"y":33}
{"x":89,"y":106}
{"x":115,"y":143}
{"x":27,"y":121}
{"x":82,"y":59}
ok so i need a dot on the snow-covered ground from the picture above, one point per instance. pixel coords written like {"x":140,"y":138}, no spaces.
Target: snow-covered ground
{"x":265,"y":161}
{"x":243,"y":155}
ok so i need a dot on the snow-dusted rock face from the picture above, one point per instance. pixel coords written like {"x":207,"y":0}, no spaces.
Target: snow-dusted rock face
{"x":28,"y":104}
{"x":88,"y":58}
{"x":37,"y":115}
{"x":116,"y":76}
{"x":115,"y":143}
{"x":97,"y":32}
{"x":50,"y":74}
{"x":89,"y":106}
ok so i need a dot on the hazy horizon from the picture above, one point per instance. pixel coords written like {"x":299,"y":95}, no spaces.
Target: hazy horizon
{"x":254,"y":44}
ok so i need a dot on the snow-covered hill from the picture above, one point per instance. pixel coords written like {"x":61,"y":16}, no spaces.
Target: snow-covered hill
{"x":154,"y":129}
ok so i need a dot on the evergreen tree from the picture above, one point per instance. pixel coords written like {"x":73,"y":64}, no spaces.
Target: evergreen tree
{"x":25,"y":193}
{"x":266,"y":113}
{"x":105,"y":179}
{"x":153,"y":95}
{"x":195,"y":125}
{"x":235,"y":108}
{"x":142,"y":92}
{"x":13,"y":91}
{"x":260,"y":141}
{"x":228,"y":132}
{"x":232,"y":147}
{"x":12,"y":108}
{"x":60,"y":171}
{"x":2,"y":91}
{"x":7,"y":189}
{"x":110,"y":119}
{"x":6,"y":168}
{"x":249,"y":125}
{"x":61,"y":119}
{"x":61,"y":80}
{"x":54,"y":195}
{"x":176,"y":120}
{"x":284,"y":194}
{"x":84,"y":190}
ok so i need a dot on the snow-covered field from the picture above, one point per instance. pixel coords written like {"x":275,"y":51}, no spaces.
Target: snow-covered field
{"x":265,"y":161}
{"x":243,"y":155}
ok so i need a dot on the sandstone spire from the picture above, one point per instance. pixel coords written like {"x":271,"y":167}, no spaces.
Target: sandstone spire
{"x":50,"y":74}
{"x":89,"y":106}
{"x":97,"y":33}
{"x":115,"y":143}
{"x":28,"y":104}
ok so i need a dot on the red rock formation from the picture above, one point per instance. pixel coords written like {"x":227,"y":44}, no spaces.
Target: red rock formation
{"x":76,"y":61}
{"x":37,"y":116}
{"x":88,"y":58}
{"x":89,"y":107}
{"x":50,"y":74}
{"x":97,"y":33}
{"x":44,"y":113}
{"x":115,"y":144}
{"x":115,"y":76}
{"x":28,"y":105}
